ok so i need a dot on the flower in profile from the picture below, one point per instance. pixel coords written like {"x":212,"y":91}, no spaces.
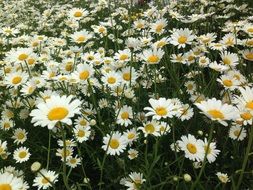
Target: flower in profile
{"x":217,"y":111}
{"x":56,"y":109}
{"x":114,"y":144}
{"x":211,"y":151}
{"x":161,"y":108}
{"x":192,"y":147}
{"x":223,"y":177}
{"x":133,"y":181}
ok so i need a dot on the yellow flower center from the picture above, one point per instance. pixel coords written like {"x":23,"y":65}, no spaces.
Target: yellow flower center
{"x":139,"y":25}
{"x":68,"y":67}
{"x":114,"y":143}
{"x":125,"y":115}
{"x":78,"y":14}
{"x":57,"y":113}
{"x":22,"y":154}
{"x":249,"y":56}
{"x":237,"y":133}
{"x":83,"y":122}
{"x":182,"y":39}
{"x":246,"y":116}
{"x":101,"y":29}
{"x":111,"y":80}
{"x":153,"y":59}
{"x":249,"y":42}
{"x":249,"y":105}
{"x":20,"y":136}
{"x":226,"y":61}
{"x":227,"y":82}
{"x":208,"y":150}
{"x":84,"y":75}
{"x":22,"y":57}
{"x":123,"y":57}
{"x":149,"y":128}
{"x":31,"y":61}
{"x":216,"y":114}
{"x":159,"y":28}
{"x":130,"y":135}
{"x":81,"y":39}
{"x":6,"y":125}
{"x":5,"y":186}
{"x":16,"y":80}
{"x":250,"y":30}
{"x":1,"y":150}
{"x":45,"y":180}
{"x":81,"y":133}
{"x":161,"y":44}
{"x":161,"y":111}
{"x":126,"y":76}
{"x":72,"y":161}
{"x":191,"y":148}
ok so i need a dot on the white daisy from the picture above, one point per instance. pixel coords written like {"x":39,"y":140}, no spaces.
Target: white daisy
{"x":21,"y":154}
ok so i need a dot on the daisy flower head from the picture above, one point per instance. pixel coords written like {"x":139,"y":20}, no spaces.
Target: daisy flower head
{"x":246,"y":98}
{"x":45,"y":179}
{"x":20,"y":136}
{"x":15,"y":79}
{"x":247,"y":54}
{"x":152,"y":56}
{"x":3,"y":147}
{"x":161,"y":108}
{"x":132,"y":154}
{"x":114,"y":144}
{"x":81,"y":37}
{"x":223,"y":177}
{"x":56,"y":109}
{"x":181,"y":37}
{"x":82,"y":133}
{"x":112,"y":79}
{"x":124,"y":116}
{"x":77,"y":13}
{"x":21,"y":154}
{"x":211,"y":151}
{"x":150,"y":128}
{"x":20,"y":55}
{"x":8,"y":181}
{"x":217,"y":111}
{"x":131,"y":135}
{"x":73,"y":162}
{"x":237,"y":133}
{"x":192,"y":147}
{"x":229,"y":59}
{"x":159,"y":26}
{"x":134,"y":181}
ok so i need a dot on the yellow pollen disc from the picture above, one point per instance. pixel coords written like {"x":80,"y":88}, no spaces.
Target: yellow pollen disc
{"x":139,"y":25}
{"x":182,"y":39}
{"x":1,"y":150}
{"x":153,"y":59}
{"x":6,"y":186}
{"x":20,"y":136}
{"x":35,"y":44}
{"x":101,"y":30}
{"x":216,"y":114}
{"x":227,"y":82}
{"x":189,"y":86}
{"x":81,"y":133}
{"x":83,"y":122}
{"x":68,"y":67}
{"x":246,"y":116}
{"x":7,"y":70}
{"x":16,"y":80}
{"x":207,"y":150}
{"x":126,"y":76}
{"x":57,"y":113}
{"x":7,"y":125}
{"x":162,"y":128}
{"x":81,"y":39}
{"x":130,"y":135}
{"x":149,"y":128}
{"x":67,"y":153}
{"x":22,"y":154}
{"x":31,"y":61}
{"x":111,"y":80}
{"x":161,"y":44}
{"x":249,"y":42}
{"x":191,"y":148}
{"x":250,"y":30}
{"x":226,"y":61}
{"x":84,"y":75}
{"x":125,"y":115}
{"x":249,"y":56}
{"x":237,"y":133}
{"x":45,"y":180}
{"x":161,"y":111}
{"x":190,"y":58}
{"x":72,"y":161}
{"x":249,"y":105}
{"x":90,"y":58}
{"x":123,"y":57}
{"x":114,"y":143}
{"x":159,"y":28}
{"x":22,"y":57}
{"x":78,"y":14}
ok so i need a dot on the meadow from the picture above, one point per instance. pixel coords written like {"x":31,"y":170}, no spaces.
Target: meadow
{"x":129,"y":94}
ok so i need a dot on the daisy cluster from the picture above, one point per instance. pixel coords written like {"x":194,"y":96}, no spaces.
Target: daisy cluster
{"x":130,"y":94}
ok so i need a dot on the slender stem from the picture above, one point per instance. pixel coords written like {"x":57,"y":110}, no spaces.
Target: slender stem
{"x":245,"y":160}
{"x":49,"y":148}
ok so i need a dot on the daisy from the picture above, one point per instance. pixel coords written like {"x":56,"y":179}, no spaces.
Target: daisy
{"x":211,"y":151}
{"x":164,"y":128}
{"x":132,"y":154}
{"x":56,"y":109}
{"x":15,"y":79}
{"x":140,"y":24}
{"x":150,"y":128}
{"x":123,"y":55}
{"x":114,"y":144}
{"x":237,"y":133}
{"x":6,"y":123}
{"x":186,"y":112}
{"x":217,"y":111}
{"x":181,"y":37}
{"x":160,"y":108}
{"x":81,"y":37}
{"x":20,"y":55}
{"x":192,"y":147}
{"x":207,"y":38}
{"x":100,"y":29}
{"x":73,"y":162}
{"x":124,"y":116}
{"x":82,"y":133}
{"x":159,"y":26}
{"x":223,"y":177}
{"x":131,"y":135}
{"x":229,"y":82}
{"x":229,"y":59}
{"x":21,"y":154}
{"x":45,"y":179}
{"x":134,"y":181}
{"x":10,"y":182}
{"x":229,"y":40}
{"x":248,"y":54}
{"x":77,"y":13}
{"x":161,"y":43}
{"x":111,"y":79}
{"x":84,"y":71}
{"x":152,"y":56}
{"x":3,"y":147}
{"x":129,"y":75}
{"x":246,"y":98}
{"x":8,"y":31}
{"x":19,"y":136}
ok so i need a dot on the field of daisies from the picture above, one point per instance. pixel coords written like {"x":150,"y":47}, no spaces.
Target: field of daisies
{"x":129,"y":95}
